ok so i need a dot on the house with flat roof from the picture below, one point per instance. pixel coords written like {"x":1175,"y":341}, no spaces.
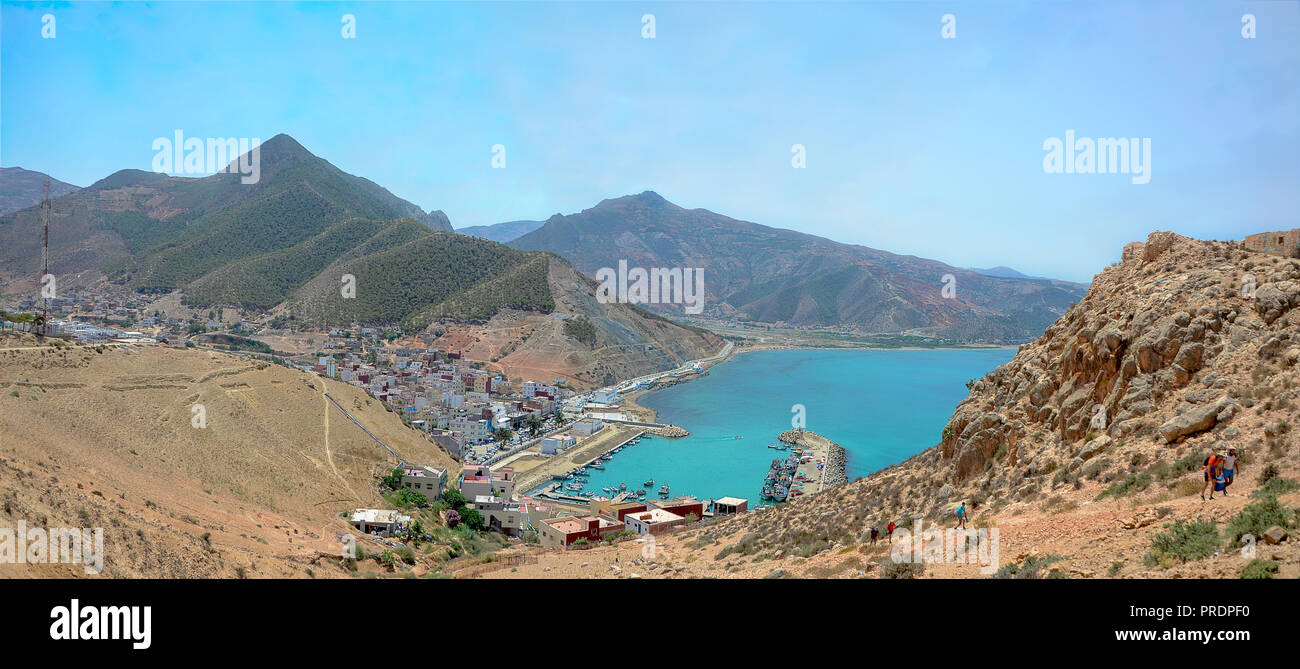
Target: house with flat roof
{"x":502,"y":515}
{"x":564,"y":531}
{"x":427,"y":481}
{"x":479,"y":480}
{"x":379,"y":521}
{"x":653,"y":521}
{"x":729,"y":506}
{"x":683,"y":506}
{"x":615,"y":510}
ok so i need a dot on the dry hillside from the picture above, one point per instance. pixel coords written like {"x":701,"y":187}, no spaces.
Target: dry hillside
{"x":104,"y":438}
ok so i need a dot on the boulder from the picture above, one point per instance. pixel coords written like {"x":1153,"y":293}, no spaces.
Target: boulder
{"x":1274,"y":299}
{"x":1275,"y":535}
{"x":1092,"y":448}
{"x":1191,"y":421}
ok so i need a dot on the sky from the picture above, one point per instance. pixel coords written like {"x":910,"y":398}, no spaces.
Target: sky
{"x":913,"y":143}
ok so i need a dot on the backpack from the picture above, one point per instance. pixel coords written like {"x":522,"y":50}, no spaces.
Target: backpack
{"x":1211,"y":461}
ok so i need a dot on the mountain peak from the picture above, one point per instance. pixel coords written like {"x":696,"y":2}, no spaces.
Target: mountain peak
{"x":647,"y":198}
{"x":284,"y":145}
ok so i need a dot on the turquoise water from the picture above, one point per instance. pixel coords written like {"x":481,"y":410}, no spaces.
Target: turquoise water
{"x":881,"y":406}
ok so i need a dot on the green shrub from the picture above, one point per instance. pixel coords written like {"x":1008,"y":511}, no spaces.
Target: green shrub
{"x":1034,"y":567}
{"x":1132,"y":484}
{"x":1260,"y":516}
{"x":1277,"y":486}
{"x":902,"y":569}
{"x":1184,"y":541}
{"x":406,"y":554}
{"x":1259,"y":569}
{"x":407,"y":497}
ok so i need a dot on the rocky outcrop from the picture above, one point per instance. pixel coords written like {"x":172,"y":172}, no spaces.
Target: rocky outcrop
{"x":1168,"y":348}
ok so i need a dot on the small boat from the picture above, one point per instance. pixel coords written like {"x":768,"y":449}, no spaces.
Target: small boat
{"x":738,"y":437}
{"x":598,"y":466}
{"x":622,"y":486}
{"x":650,"y":482}
{"x":606,"y":489}
{"x":663,"y":490}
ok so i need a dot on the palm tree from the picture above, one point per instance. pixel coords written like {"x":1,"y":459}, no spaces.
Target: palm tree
{"x":534,"y":423}
{"x":39,"y":321}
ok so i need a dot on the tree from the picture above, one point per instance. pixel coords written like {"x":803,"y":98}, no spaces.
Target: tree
{"x":534,"y":423}
{"x":472,"y":518}
{"x":453,"y":498}
{"x":503,"y":434}
{"x":407,"y":497}
{"x":394,"y":480}
{"x":453,"y":518}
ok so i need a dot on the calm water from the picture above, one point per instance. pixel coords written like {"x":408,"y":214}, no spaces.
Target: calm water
{"x":882,"y":406}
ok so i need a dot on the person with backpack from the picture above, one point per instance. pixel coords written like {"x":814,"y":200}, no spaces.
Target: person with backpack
{"x":1230,"y":466}
{"x":1212,"y":465}
{"x":875,"y":532}
{"x":961,"y":516}
{"x":890,"y":529}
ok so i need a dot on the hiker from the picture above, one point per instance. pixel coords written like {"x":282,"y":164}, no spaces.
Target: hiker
{"x":891,"y":532}
{"x":961,"y":516}
{"x":875,"y":532}
{"x":1229,"y":469}
{"x":1212,"y":466}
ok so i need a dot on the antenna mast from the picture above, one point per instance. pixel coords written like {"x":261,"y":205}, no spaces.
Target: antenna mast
{"x":45,"y":250}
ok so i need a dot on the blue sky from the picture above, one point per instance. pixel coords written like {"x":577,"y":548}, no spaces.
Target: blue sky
{"x":915,"y":144}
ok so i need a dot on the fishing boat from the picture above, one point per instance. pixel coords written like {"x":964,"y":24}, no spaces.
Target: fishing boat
{"x":607,"y":489}
{"x":597,"y":465}
{"x":663,"y":490}
{"x":650,"y":482}
{"x":622,"y":486}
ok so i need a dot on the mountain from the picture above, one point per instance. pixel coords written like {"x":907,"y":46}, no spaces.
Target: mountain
{"x":20,"y":188}
{"x":1008,"y":273}
{"x":759,"y":273}
{"x":292,"y":242}
{"x":1085,"y":451}
{"x":157,"y":232}
{"x":502,"y":232}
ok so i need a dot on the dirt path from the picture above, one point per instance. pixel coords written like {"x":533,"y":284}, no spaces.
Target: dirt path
{"x":329,"y":455}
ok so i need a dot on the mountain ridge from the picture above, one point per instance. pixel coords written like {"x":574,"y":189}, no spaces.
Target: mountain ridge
{"x":773,"y":275}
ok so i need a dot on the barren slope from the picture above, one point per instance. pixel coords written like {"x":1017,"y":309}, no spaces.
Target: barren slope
{"x":91,"y":439}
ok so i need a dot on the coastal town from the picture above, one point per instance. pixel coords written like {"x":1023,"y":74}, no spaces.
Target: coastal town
{"x":525,"y":447}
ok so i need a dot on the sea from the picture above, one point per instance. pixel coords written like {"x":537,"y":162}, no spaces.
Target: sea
{"x":882,"y":406}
